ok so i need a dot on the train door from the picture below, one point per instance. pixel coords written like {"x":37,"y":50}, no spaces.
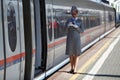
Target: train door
{"x":1,"y":48}
{"x":40,"y":35}
{"x":38,"y":56}
{"x":12,"y":32}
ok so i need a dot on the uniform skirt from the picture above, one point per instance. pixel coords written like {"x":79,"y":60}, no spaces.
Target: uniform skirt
{"x":73,"y":44}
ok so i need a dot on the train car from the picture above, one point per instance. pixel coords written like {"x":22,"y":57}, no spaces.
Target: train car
{"x":33,"y":34}
{"x":12,"y":50}
{"x":1,"y":48}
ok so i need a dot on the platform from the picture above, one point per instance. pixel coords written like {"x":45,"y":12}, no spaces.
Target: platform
{"x":100,"y":62}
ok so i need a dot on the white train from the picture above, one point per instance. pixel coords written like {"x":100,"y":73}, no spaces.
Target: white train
{"x":33,"y":34}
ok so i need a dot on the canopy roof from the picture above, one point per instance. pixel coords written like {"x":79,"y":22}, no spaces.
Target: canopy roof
{"x":115,"y":1}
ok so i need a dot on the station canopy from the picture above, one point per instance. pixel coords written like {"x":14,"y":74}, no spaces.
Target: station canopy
{"x":115,"y":1}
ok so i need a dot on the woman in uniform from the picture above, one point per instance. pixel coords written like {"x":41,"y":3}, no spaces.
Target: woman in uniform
{"x":73,"y":44}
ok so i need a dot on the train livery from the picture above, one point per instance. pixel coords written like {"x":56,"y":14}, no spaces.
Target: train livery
{"x":33,"y":34}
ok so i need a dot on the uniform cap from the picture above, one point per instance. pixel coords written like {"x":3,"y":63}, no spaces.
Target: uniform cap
{"x":74,"y":8}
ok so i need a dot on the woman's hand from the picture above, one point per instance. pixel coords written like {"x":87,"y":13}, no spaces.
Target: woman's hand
{"x":73,"y":25}
{"x":70,"y":24}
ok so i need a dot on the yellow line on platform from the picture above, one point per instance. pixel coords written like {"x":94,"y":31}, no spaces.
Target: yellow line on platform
{"x":91,"y":60}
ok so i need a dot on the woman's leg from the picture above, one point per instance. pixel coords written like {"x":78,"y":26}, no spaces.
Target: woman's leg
{"x":76,"y":58}
{"x":72,"y":62}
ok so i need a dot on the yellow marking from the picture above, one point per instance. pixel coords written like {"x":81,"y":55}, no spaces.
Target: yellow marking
{"x":90,"y":61}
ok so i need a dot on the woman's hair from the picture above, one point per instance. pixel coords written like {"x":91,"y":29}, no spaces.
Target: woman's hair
{"x":74,"y":8}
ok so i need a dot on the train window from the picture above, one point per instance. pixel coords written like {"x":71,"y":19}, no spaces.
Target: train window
{"x":87,"y":21}
{"x":102,"y":17}
{"x":83,"y":18}
{"x":83,"y":22}
{"x":119,"y":16}
{"x":59,"y":21}
{"x":110,"y":17}
{"x":91,"y":18}
{"x":49,"y":21}
{"x":50,"y":28}
{"x":11,"y":17}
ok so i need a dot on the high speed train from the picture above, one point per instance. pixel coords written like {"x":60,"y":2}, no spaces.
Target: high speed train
{"x":33,"y":34}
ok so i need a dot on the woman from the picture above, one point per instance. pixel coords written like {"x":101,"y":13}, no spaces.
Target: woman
{"x":73,"y":46}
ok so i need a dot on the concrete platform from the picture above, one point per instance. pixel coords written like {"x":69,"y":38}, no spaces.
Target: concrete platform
{"x":107,"y":67}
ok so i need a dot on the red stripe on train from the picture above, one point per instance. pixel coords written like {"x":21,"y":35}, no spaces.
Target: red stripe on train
{"x":13,"y":58}
{"x":56,"y":43}
{"x":1,"y":62}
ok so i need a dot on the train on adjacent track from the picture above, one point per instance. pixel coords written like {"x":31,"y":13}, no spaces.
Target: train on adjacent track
{"x":33,"y":34}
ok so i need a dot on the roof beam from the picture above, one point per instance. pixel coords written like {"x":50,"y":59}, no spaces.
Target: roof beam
{"x":117,"y":1}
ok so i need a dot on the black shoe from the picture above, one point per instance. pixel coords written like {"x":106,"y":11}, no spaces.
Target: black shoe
{"x":71,"y":71}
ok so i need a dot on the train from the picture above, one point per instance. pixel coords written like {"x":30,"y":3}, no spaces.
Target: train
{"x":117,"y":17}
{"x":33,"y":34}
